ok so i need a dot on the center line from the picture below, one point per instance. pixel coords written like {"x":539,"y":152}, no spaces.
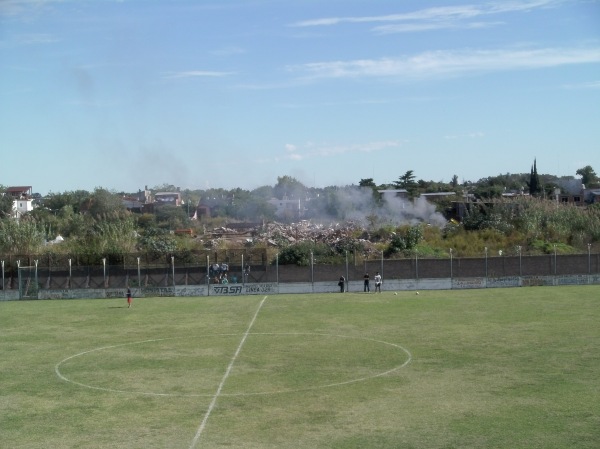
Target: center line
{"x":215,"y":397}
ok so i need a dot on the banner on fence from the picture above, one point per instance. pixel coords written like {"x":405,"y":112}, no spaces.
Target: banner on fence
{"x":243,"y":289}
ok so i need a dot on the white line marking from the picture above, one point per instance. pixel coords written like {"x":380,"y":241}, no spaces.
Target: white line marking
{"x":256,"y":393}
{"x":225,"y":376}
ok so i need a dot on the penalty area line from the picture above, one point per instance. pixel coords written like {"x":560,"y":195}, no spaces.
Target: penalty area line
{"x":225,"y":376}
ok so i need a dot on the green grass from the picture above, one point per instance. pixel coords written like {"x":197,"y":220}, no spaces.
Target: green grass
{"x":497,"y":368}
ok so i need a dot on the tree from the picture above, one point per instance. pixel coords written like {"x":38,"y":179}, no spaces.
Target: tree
{"x":169,"y":216}
{"x":158,"y":242}
{"x":535,"y":187}
{"x":404,"y":240}
{"x":288,"y":187}
{"x":103,"y":202}
{"x":407,"y":181}
{"x":20,"y":237}
{"x":264,"y":192}
{"x":588,"y":175}
{"x":74,"y":199}
{"x":368,"y":182}
{"x":6,"y":203}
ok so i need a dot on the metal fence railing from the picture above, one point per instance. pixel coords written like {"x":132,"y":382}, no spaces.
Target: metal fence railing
{"x":134,"y":271}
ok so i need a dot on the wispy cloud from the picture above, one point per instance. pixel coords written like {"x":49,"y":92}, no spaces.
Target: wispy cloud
{"x":430,"y":26}
{"x":35,"y":39}
{"x":312,"y":150}
{"x":473,"y":135}
{"x":18,"y":7}
{"x":197,"y":74}
{"x":448,"y":63}
{"x":588,"y":85}
{"x":434,"y":18}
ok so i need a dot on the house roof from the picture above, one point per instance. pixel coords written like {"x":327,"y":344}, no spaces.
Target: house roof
{"x":18,"y":189}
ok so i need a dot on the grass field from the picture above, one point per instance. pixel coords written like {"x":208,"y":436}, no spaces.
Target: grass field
{"x":497,"y":368}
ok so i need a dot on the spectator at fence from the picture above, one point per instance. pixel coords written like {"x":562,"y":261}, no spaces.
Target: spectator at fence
{"x":366,"y":283}
{"x":377,"y":282}
{"x":341,"y":284}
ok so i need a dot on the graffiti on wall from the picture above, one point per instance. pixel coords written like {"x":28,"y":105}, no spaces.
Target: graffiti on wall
{"x":246,"y":289}
{"x":460,"y":283}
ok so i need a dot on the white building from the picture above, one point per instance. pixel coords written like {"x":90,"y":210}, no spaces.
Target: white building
{"x":22,"y":200}
{"x":22,"y":206}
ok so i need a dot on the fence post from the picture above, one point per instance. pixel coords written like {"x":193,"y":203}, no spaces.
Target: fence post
{"x":37,"y":293}
{"x":104,"y":272}
{"x":486,"y":266}
{"x":450,"y":268}
{"x":312,"y":271}
{"x":416,"y":269}
{"x":347,"y":273}
{"x":173,"y":269}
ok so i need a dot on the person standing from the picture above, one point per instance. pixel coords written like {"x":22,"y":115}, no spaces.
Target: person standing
{"x":129,"y":299}
{"x":377,"y":282}
{"x":366,"y":283}
{"x":342,"y":283}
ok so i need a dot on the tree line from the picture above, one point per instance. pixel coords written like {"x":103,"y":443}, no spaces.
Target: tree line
{"x":98,"y":223}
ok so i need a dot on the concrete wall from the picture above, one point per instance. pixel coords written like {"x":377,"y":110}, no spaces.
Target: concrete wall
{"x":403,"y":274}
{"x":269,"y":288}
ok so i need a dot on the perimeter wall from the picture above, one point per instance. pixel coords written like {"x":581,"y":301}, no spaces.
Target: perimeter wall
{"x":191,"y":279}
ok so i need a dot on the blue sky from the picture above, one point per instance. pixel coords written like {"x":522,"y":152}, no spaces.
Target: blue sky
{"x":219,"y":93}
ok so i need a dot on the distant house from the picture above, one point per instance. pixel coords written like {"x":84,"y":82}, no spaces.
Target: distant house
{"x":591,"y":196}
{"x":173,"y":198}
{"x":202,"y":211}
{"x":133,"y":204}
{"x":401,"y":193}
{"x":570,"y":191}
{"x":437,"y":195}
{"x":20,"y":192}
{"x":22,"y":200}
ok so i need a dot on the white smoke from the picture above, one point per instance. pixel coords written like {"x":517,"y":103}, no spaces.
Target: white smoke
{"x":412,"y":212}
{"x":358,"y":204}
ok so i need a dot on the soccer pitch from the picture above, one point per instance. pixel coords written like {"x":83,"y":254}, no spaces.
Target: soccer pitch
{"x":494,"y":368}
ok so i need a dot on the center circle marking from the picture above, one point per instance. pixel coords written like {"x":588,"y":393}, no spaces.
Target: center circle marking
{"x":362,"y":378}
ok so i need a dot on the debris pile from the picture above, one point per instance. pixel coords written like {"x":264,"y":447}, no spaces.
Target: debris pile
{"x":281,"y":235}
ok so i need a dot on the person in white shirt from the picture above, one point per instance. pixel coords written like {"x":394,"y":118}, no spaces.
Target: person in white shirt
{"x":377,"y":282}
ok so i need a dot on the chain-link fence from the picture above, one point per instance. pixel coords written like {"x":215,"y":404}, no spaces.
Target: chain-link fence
{"x":134,"y":270}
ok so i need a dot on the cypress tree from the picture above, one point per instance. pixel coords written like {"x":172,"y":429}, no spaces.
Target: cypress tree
{"x":534,"y":181}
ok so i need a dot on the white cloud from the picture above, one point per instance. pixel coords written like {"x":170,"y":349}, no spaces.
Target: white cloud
{"x":313,"y":150}
{"x":429,"y":26}
{"x":449,"y":63}
{"x":35,"y":39}
{"x":472,"y":135}
{"x":19,"y":7}
{"x":588,"y":85}
{"x":434,"y":18}
{"x":197,"y":74}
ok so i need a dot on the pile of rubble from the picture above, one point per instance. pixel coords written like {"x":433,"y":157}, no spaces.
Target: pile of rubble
{"x":280,"y":234}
